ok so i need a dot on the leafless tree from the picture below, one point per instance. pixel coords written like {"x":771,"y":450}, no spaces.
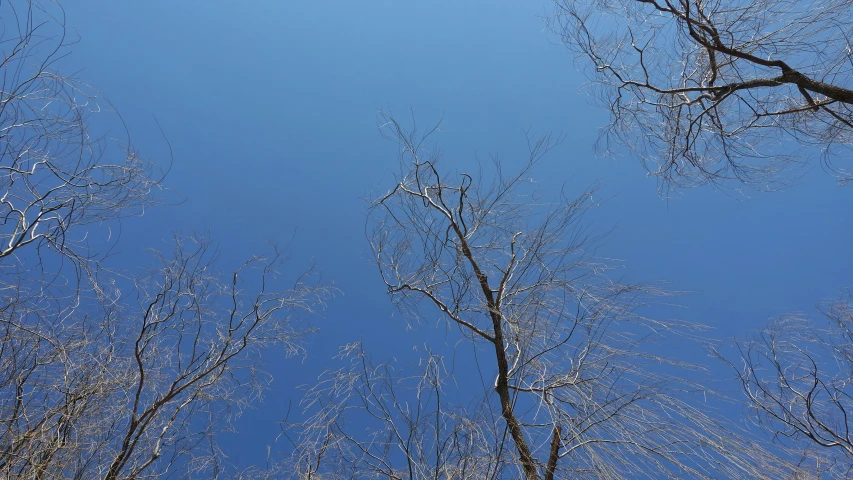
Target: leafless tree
{"x":575,"y":393}
{"x":54,"y":172}
{"x":139,"y":387}
{"x":707,"y":90}
{"x":798,"y":378}
{"x":106,"y":374}
{"x":381,"y":421}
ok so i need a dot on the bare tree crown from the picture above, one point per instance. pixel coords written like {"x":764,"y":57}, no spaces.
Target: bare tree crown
{"x":574,"y":391}
{"x":797,"y":378}
{"x":141,"y":387}
{"x":54,"y":172}
{"x":708,"y":91}
{"x":104,"y":374}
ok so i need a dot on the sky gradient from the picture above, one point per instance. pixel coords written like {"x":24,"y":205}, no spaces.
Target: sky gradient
{"x":270,"y":111}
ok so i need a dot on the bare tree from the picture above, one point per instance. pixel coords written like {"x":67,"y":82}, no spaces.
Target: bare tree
{"x":798,"y":378}
{"x":140,"y":388}
{"x":709,"y":90}
{"x":575,"y":390}
{"x":54,"y":172}
{"x":104,"y":374}
{"x":382,"y":421}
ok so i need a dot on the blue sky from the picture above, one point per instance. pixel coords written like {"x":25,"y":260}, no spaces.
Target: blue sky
{"x":270,"y":109}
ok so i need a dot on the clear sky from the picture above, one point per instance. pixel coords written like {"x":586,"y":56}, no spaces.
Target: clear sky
{"x":270,"y":109}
